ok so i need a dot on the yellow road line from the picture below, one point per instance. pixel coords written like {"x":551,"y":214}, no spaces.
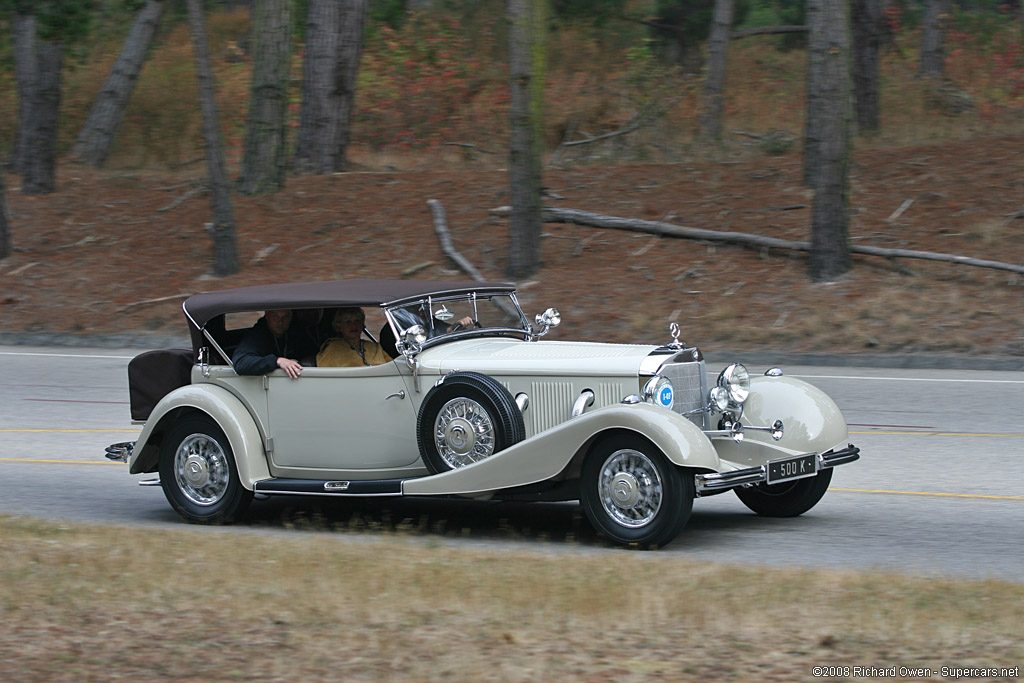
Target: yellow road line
{"x":61,"y":462}
{"x":930,"y":493}
{"x":72,"y":431}
{"x":1010,"y":436}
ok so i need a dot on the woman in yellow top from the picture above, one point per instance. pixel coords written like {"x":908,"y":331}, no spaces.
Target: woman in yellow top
{"x":350,"y":350}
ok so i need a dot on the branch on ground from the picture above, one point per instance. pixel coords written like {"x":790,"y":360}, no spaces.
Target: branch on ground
{"x":596,"y":220}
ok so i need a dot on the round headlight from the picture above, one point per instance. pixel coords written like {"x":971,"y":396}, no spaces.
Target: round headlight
{"x":736,"y":380}
{"x":659,"y":391}
{"x":720,"y":399}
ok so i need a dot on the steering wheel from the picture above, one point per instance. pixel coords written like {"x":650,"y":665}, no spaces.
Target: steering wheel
{"x":459,"y":326}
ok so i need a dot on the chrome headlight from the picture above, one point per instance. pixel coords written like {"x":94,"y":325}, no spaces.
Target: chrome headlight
{"x":659,"y":391}
{"x":720,"y":399}
{"x":736,"y":380}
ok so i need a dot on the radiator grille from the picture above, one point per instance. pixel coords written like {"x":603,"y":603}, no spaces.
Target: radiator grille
{"x":689,"y":380}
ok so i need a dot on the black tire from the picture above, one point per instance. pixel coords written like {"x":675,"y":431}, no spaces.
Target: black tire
{"x":198,"y":472}
{"x":788,"y":499}
{"x":465,"y":419}
{"x":632,"y":494}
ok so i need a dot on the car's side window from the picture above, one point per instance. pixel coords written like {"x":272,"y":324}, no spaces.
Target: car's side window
{"x":228,"y":330}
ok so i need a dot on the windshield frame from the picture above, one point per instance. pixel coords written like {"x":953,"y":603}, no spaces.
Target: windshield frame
{"x":436,"y":337}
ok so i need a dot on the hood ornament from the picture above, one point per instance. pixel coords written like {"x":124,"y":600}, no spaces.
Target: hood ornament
{"x":673,"y":329}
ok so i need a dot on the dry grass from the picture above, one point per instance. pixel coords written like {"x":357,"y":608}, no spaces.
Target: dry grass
{"x":92,"y":603}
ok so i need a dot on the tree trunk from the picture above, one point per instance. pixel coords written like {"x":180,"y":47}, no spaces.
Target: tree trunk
{"x":867,"y":34}
{"x":714,"y":79}
{"x":225,"y":248}
{"x":39,"y":174}
{"x":933,"y":60}
{"x":350,"y":50}
{"x":263,"y":161}
{"x":5,"y":221}
{"x":829,"y":73}
{"x":97,"y":136}
{"x":24,"y":26}
{"x":318,"y":120}
{"x":527,"y":56}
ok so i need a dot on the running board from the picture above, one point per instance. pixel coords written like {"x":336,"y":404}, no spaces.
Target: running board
{"x":335,"y":488}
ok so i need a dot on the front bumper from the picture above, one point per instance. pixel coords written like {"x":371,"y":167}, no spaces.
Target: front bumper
{"x":722,"y":481}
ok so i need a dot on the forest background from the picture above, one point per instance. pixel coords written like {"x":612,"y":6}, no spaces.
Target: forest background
{"x":432,"y":100}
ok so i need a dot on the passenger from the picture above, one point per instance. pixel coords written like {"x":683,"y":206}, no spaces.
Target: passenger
{"x":350,"y":350}
{"x":267,"y":346}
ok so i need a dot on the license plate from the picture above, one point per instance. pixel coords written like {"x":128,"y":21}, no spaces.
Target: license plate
{"x":792,"y":468}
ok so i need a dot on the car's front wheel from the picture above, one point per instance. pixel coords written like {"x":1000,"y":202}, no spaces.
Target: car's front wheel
{"x":632,"y":494}
{"x":198,"y":472}
{"x":788,"y":499}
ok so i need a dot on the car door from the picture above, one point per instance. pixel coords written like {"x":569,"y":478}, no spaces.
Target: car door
{"x":333,"y":420}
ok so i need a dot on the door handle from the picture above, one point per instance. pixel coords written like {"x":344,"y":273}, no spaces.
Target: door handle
{"x":397,"y":394}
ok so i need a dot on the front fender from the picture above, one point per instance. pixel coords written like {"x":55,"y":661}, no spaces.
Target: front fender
{"x":545,"y":455}
{"x":225,"y":409}
{"x":813,"y":422}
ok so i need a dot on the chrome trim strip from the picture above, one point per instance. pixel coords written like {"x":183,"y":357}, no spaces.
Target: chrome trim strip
{"x":329,"y":495}
{"x":450,"y":294}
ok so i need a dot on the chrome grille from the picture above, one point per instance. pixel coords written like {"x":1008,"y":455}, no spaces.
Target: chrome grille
{"x":690,"y":381}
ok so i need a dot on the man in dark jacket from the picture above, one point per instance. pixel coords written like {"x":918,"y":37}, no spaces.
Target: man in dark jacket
{"x":266,"y":347}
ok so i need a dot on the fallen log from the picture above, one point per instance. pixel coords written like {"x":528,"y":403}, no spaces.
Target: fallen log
{"x":441,"y":227}
{"x":596,"y":220}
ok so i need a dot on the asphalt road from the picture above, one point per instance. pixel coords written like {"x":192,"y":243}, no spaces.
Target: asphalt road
{"x":939,"y":489}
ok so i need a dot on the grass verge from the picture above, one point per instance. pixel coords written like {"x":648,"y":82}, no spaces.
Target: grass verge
{"x":95,"y":603}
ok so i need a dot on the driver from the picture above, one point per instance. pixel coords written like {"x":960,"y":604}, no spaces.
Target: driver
{"x":349,"y":349}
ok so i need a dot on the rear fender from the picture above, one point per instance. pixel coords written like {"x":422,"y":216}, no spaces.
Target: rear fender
{"x":546,"y":455}
{"x":222,"y":407}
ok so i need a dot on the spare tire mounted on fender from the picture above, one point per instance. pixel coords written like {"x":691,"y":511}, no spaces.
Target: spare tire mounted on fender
{"x":464,"y":419}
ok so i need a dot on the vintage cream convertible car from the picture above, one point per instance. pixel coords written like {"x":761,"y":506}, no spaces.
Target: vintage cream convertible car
{"x":485,"y":410}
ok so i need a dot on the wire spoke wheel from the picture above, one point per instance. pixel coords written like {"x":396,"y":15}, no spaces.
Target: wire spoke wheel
{"x":466,"y":418}
{"x":463,"y":433}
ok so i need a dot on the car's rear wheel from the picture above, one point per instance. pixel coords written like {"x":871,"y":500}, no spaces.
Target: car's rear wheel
{"x":788,"y":499}
{"x":632,"y":494}
{"x":467,"y":418}
{"x":198,"y":472}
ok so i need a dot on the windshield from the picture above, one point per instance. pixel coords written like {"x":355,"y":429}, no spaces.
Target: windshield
{"x":461,"y":314}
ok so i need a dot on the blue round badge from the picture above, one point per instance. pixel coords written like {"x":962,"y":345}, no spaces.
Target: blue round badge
{"x":665,"y":395}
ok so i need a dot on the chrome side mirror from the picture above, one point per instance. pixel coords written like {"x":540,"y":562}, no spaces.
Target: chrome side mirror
{"x":548,"y":319}
{"x":414,"y":336}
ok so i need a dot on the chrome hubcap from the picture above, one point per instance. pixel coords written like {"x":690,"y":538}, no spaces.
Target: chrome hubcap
{"x":201,"y":469}
{"x":463,"y":433}
{"x":630,"y":488}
